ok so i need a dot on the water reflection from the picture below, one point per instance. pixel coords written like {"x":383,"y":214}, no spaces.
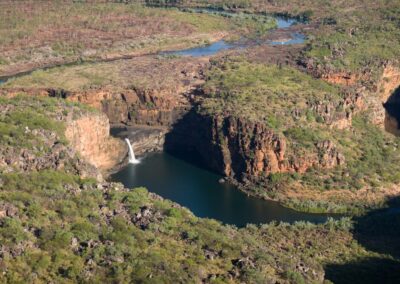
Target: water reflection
{"x":211,"y":49}
{"x":200,"y":191}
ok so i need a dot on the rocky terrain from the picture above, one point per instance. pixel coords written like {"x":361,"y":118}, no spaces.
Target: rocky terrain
{"x":314,"y":126}
{"x":33,"y":144}
{"x":290,"y":131}
{"x":58,"y":223}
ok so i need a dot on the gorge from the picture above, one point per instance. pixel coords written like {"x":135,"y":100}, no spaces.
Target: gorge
{"x":200,"y":141}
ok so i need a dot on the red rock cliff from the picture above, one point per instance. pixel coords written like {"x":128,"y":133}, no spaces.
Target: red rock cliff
{"x":89,"y":136}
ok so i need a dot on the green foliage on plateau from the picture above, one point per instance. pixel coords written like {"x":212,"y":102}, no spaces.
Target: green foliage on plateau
{"x":283,"y":99}
{"x":62,"y":229}
{"x":16,"y":125}
{"x":372,"y":160}
{"x":27,"y":122}
{"x":353,"y":44}
{"x":262,"y":92}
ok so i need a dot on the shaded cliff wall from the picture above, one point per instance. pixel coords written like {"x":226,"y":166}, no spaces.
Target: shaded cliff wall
{"x":392,"y":113}
{"x":239,"y":148}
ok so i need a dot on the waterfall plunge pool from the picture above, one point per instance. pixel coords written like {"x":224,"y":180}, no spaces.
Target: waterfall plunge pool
{"x":199,"y":190}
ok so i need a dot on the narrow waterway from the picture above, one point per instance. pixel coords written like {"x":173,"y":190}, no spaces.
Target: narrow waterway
{"x":213,"y":48}
{"x":200,"y":191}
{"x":206,"y":50}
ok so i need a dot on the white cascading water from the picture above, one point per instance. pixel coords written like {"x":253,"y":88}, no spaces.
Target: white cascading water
{"x":132,"y":158}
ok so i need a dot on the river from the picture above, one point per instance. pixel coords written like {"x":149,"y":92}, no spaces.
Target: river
{"x":200,"y":191}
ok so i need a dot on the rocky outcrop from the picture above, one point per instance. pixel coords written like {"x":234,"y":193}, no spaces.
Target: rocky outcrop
{"x":338,"y":115}
{"x":131,"y":106}
{"x":144,"y":139}
{"x":243,"y":149}
{"x":136,"y":106}
{"x":376,"y":89}
{"x":57,"y":156}
{"x":89,"y":135}
{"x":331,"y":75}
{"x":385,"y":87}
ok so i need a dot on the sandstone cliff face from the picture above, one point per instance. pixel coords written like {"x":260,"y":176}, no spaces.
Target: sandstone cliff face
{"x":59,"y":157}
{"x":376,"y":90}
{"x":136,"y":106}
{"x":89,"y":136}
{"x":41,"y":145}
{"x":338,"y":115}
{"x":344,"y":78}
{"x":242,"y":149}
{"x":387,"y":83}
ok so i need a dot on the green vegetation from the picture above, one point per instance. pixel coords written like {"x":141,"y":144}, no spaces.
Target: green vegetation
{"x":253,"y":91}
{"x":355,"y":38}
{"x":63,"y":229}
{"x":348,"y":36}
{"x":303,"y":110}
{"x":16,"y":125}
{"x":56,"y":226}
{"x":59,"y":227}
{"x":95,"y":31}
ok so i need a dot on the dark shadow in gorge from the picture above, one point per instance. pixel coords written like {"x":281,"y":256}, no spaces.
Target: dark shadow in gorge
{"x":370,"y":270}
{"x":190,"y":140}
{"x":392,"y":115}
{"x":205,"y":140}
{"x":377,"y":231}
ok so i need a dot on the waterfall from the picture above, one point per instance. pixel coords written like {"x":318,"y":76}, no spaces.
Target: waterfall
{"x":132,"y":158}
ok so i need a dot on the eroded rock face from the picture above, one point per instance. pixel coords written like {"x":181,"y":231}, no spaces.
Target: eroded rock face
{"x":89,"y":135}
{"x":386,"y":86}
{"x":339,"y":115}
{"x":238,"y":148}
{"x":136,"y":106}
{"x":331,"y":75}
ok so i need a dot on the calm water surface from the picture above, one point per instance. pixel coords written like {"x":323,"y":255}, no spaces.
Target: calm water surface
{"x":211,"y":49}
{"x":214,"y":48}
{"x":200,"y":191}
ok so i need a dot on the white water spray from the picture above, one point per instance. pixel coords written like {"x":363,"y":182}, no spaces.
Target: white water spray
{"x":132,"y":158}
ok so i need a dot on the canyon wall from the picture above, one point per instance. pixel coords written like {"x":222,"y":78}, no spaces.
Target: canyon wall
{"x":377,"y":86}
{"x":242,"y":149}
{"x":90,"y":136}
{"x":136,"y":106}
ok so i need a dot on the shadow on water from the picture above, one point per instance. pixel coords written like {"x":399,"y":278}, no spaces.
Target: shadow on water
{"x":198,"y":189}
{"x":378,"y":231}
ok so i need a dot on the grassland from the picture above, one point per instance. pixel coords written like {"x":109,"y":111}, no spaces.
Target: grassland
{"x":349,"y":35}
{"x":144,"y":72}
{"x":39,"y":34}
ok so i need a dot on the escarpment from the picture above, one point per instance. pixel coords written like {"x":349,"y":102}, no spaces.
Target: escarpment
{"x":90,"y":136}
{"x":375,"y":85}
{"x":136,"y":106}
{"x":35,"y":137}
{"x":239,"y":148}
